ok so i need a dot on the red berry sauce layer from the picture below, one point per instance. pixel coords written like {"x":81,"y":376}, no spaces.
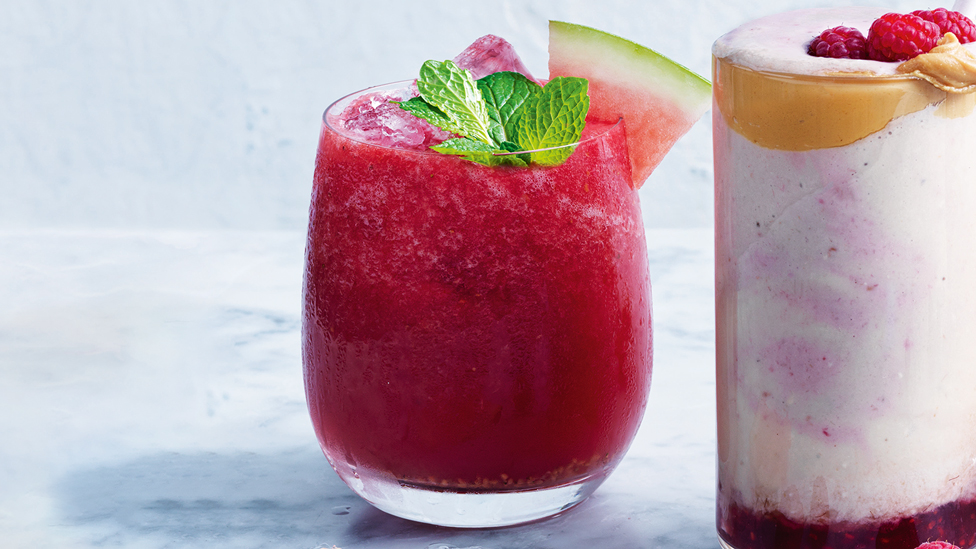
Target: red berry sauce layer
{"x":953,"y":522}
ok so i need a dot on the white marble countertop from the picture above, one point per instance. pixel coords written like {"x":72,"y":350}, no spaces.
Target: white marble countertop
{"x":152,"y":396}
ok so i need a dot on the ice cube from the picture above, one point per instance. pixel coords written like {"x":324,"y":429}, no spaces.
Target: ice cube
{"x":490,"y":54}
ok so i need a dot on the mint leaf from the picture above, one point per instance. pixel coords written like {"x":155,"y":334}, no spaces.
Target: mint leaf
{"x":502,"y":113}
{"x":422,"y":109}
{"x":464,"y":146}
{"x":505,"y":93}
{"x":479,"y":152}
{"x":454,"y":92}
{"x":554,"y":117}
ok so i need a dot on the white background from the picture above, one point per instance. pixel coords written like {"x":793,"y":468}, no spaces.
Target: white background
{"x":204,"y":114}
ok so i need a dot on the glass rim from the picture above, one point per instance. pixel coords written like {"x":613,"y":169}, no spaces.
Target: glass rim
{"x":403,"y":84}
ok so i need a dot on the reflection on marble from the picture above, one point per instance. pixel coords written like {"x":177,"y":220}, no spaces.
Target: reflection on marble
{"x":152,"y":397}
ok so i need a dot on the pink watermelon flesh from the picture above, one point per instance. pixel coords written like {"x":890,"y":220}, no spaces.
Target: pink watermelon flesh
{"x":658,"y":99}
{"x":490,"y":54}
{"x":654,"y":124}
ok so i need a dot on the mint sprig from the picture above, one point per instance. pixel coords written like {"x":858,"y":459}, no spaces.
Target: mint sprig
{"x":504,"y":112}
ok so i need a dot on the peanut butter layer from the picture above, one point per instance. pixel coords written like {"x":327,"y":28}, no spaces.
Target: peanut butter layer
{"x":949,"y":66}
{"x":799,"y":113}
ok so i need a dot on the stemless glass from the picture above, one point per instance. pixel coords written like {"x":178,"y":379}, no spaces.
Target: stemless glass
{"x":476,"y":340}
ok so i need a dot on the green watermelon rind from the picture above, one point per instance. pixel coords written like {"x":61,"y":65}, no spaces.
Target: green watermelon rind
{"x":636,"y":66}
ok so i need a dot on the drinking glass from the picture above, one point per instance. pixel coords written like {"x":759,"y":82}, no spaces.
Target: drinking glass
{"x":845,"y":302}
{"x":476,"y":340}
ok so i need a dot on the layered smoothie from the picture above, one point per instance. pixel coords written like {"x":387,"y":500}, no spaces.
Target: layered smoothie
{"x":846,"y":303}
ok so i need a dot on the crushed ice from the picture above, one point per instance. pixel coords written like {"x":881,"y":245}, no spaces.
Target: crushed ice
{"x":376,"y":118}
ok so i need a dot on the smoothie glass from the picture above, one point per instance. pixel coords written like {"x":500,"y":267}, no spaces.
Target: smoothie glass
{"x":845,"y":296}
{"x":476,"y":340}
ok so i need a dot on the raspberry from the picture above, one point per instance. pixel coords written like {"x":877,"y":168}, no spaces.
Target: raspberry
{"x":937,"y":545}
{"x":897,"y":37}
{"x":839,"y":42}
{"x":950,"y":21}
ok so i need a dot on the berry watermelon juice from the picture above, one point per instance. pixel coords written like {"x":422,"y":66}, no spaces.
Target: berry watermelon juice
{"x":845,"y":301}
{"x":472,"y":330}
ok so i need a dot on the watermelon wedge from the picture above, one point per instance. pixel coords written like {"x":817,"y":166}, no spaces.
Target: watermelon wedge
{"x":658,"y":99}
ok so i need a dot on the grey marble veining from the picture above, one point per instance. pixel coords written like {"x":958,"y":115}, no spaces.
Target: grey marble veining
{"x":152,"y":397}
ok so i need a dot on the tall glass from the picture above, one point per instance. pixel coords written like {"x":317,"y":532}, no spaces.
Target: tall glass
{"x":845,"y":295}
{"x":477,"y":340}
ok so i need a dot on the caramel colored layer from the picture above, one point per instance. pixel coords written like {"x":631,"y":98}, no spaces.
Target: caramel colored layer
{"x":800,"y":113}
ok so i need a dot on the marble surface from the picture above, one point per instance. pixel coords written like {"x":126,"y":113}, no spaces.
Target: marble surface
{"x":152,"y":396}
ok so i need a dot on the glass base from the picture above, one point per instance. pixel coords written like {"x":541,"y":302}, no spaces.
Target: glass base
{"x":470,"y":509}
